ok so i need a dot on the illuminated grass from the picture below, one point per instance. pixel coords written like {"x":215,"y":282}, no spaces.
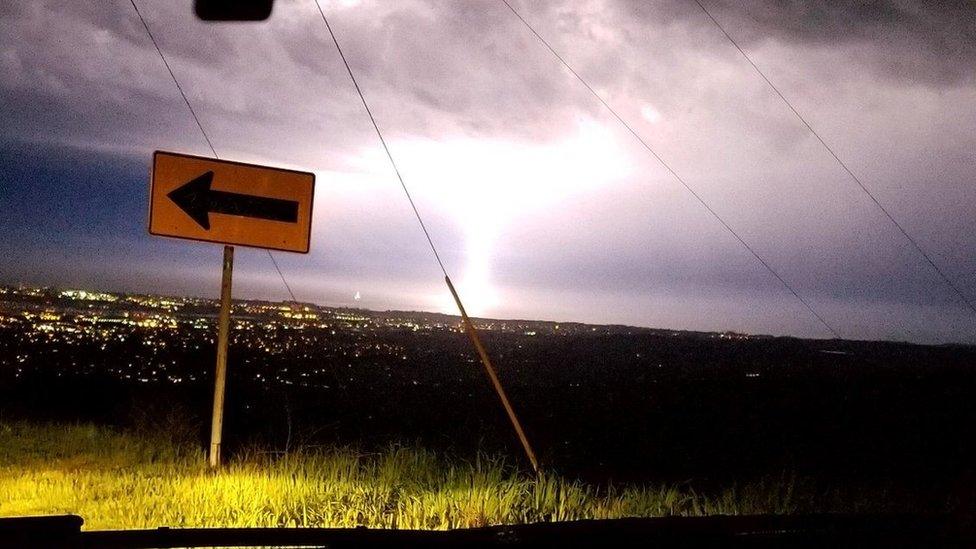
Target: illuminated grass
{"x":115,"y":480}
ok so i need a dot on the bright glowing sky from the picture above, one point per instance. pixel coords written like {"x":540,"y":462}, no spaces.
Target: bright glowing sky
{"x":541,"y":204}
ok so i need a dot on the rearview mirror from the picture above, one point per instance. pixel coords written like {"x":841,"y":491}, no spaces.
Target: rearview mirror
{"x":233,"y":10}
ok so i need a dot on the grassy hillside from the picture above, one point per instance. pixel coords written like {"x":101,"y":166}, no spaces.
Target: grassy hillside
{"x":119,"y":480}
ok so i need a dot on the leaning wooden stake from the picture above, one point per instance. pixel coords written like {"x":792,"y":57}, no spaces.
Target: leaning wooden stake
{"x":473,"y":333}
{"x":223,"y":335}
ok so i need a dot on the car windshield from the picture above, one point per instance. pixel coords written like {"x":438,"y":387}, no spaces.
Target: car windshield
{"x":424,"y":265}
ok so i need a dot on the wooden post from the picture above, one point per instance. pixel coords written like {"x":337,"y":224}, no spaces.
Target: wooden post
{"x":223,"y":335}
{"x":473,"y":333}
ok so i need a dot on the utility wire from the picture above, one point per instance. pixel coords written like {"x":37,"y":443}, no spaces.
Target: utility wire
{"x":175,"y":81}
{"x":282,"y":275}
{"x":674,"y":174}
{"x":469,"y":326}
{"x":928,"y":259}
{"x":382,"y":140}
{"x":199,"y":125}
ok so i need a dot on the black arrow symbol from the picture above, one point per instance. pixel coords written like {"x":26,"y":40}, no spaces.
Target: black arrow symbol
{"x":199,"y":201}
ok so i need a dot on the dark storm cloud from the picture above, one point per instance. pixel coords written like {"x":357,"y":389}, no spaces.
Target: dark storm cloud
{"x":890,"y":85}
{"x":930,"y":42}
{"x":424,"y":68}
{"x":460,"y":61}
{"x":473,"y":62}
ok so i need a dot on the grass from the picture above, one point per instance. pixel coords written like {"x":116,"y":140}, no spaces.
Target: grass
{"x":119,"y":480}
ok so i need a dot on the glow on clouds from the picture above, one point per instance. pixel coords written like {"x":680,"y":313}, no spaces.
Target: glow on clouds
{"x":487,"y":184}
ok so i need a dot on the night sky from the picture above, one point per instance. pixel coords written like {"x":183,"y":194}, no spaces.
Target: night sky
{"x":541,"y":204}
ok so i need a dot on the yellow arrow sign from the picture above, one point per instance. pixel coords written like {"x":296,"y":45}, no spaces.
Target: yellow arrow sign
{"x":227,"y":202}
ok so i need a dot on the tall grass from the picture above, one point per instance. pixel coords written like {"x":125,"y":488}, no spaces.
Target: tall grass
{"x":118,"y":480}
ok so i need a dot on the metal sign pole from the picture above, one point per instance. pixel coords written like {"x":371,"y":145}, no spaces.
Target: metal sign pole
{"x":223,"y":335}
{"x":473,"y":333}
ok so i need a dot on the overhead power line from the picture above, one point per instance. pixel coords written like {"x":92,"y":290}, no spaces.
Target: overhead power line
{"x":282,"y":275}
{"x":675,"y":175}
{"x":469,"y":326}
{"x":175,"y":80}
{"x":928,"y":259}
{"x":197,"y":120}
{"x":379,"y":134}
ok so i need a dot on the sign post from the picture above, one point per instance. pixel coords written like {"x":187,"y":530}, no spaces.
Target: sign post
{"x":223,"y":335}
{"x":230,"y":203}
